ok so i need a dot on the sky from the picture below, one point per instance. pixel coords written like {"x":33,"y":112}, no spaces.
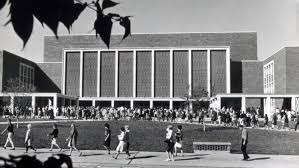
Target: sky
{"x":275,"y":22}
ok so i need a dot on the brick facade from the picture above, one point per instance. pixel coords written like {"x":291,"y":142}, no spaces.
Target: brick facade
{"x":252,"y":77}
{"x":243,"y":45}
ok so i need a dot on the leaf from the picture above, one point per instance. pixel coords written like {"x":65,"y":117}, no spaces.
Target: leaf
{"x":2,"y":3}
{"x":126,"y":23}
{"x":71,"y":13}
{"x":108,"y":4}
{"x":103,"y":27}
{"x":65,"y":159}
{"x":113,"y":15}
{"x":49,"y":12}
{"x":21,"y":18}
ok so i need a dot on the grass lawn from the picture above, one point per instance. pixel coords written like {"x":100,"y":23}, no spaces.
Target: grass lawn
{"x":149,"y":136}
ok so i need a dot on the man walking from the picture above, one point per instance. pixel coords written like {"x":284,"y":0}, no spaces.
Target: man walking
{"x":10,"y":133}
{"x":244,"y":142}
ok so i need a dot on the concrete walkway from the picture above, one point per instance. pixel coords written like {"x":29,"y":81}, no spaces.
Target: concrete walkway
{"x":100,"y":159}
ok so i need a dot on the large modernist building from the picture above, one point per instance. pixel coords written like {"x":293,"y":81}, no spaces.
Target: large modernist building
{"x":157,"y":70}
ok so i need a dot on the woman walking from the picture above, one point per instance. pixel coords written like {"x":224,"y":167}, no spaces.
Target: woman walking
{"x":107,"y":140}
{"x":10,"y":133}
{"x":54,"y":135}
{"x":121,"y":143}
{"x":170,"y":143}
{"x":72,"y":140}
{"x":29,"y":139}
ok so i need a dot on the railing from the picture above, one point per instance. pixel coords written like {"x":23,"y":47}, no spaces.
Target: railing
{"x":211,"y":146}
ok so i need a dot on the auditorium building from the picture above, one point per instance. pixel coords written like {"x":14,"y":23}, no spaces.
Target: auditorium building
{"x":153,"y":70}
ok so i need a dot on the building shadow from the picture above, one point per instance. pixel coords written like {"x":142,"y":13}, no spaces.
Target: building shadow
{"x":261,"y":158}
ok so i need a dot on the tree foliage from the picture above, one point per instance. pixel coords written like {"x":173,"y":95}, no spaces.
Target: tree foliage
{"x":55,"y":161}
{"x":15,"y":88}
{"x":53,"y":12}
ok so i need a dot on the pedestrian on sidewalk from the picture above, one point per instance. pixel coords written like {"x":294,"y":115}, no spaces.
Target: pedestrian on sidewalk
{"x":107,"y":140}
{"x":244,"y":142}
{"x":72,"y":140}
{"x":54,"y":135}
{"x":266,"y":121}
{"x":29,"y":138}
{"x":179,"y":140}
{"x":127,"y":139}
{"x":10,"y":133}
{"x":121,"y":144}
{"x":170,"y":143}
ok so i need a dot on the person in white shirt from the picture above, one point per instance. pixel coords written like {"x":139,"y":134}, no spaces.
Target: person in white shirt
{"x":121,"y":144}
{"x":170,"y":143}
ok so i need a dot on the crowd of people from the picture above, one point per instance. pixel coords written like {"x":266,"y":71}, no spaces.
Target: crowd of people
{"x":252,"y":117}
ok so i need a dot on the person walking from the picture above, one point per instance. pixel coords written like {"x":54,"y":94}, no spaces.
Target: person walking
{"x":121,"y":143}
{"x":72,"y":140}
{"x":170,"y":143}
{"x":54,"y":135}
{"x":107,"y":140}
{"x":10,"y":133}
{"x":29,"y":139}
{"x":244,"y":142}
{"x":179,"y":141}
{"x":127,"y":139}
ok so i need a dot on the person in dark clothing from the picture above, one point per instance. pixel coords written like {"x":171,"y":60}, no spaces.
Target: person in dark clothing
{"x":10,"y":133}
{"x":266,"y":120}
{"x":244,"y":142}
{"x":127,"y":140}
{"x":107,"y":140}
{"x":54,"y":135}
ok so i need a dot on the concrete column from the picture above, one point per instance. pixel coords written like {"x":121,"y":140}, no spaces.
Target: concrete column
{"x":116,"y":74}
{"x":12,"y":103}
{"x":171,"y":74}
{"x":153,"y":74}
{"x":228,"y":70}
{"x":81,"y":75}
{"x":112,"y":103}
{"x":293,"y":103}
{"x":134,"y":73}
{"x":268,"y":106}
{"x":77,"y":102}
{"x":93,"y":103}
{"x":209,"y":72}
{"x":171,"y":104}
{"x":151,"y":103}
{"x":190,"y":105}
{"x":55,"y":105}
{"x":132,"y":104}
{"x":33,"y":104}
{"x":99,"y":75}
{"x":243,"y":103}
{"x":189,"y":73}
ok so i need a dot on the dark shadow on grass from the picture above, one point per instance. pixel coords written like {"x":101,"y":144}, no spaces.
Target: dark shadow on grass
{"x":144,"y":157}
{"x":261,"y":158}
{"x":182,"y":159}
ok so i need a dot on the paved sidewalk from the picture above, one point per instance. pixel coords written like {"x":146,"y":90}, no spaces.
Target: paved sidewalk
{"x":99,"y":159}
